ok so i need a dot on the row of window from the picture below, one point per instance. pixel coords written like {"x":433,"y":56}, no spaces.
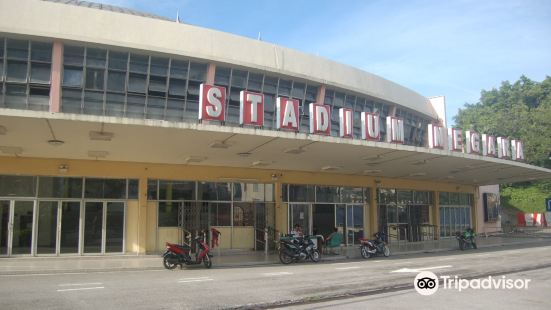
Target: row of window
{"x":68,"y":187}
{"x":403,"y":197}
{"x":208,"y":191}
{"x":324,"y":194}
{"x":25,"y":69}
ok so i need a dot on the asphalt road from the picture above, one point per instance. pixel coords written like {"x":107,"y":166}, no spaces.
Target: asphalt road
{"x":267,"y":286}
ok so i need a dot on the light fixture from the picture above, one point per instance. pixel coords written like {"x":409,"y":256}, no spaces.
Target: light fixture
{"x":275,"y":176}
{"x":11,"y":150}
{"x":194,"y":159}
{"x":101,"y":135}
{"x":294,"y":151}
{"x":330,"y":168}
{"x":3,"y":130}
{"x":63,"y":168}
{"x":98,"y":154}
{"x":219,"y":145}
{"x":56,"y":142}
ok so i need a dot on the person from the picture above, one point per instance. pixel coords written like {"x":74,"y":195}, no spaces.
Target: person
{"x":297,"y":231}
{"x":334,"y":240}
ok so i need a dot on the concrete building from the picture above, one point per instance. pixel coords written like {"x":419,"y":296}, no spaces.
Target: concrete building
{"x":121,"y":130}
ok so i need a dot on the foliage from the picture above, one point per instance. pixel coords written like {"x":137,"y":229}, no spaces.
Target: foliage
{"x":521,"y":110}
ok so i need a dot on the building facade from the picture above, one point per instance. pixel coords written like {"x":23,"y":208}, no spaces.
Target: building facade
{"x":120,"y":131}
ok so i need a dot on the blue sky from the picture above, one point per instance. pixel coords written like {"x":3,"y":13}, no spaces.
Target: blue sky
{"x":451,"y":48}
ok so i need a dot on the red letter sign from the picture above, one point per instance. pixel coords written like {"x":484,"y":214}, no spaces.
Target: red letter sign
{"x":370,"y":126}
{"x":346,"y":121}
{"x":287,"y":113}
{"x":212,"y":102}
{"x":252,"y":108}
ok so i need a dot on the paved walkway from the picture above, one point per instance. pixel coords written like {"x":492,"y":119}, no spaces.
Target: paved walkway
{"x":75,"y":264}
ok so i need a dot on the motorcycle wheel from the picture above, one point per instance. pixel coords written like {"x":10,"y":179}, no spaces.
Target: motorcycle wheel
{"x":365,"y":253}
{"x":285,"y":258}
{"x":461,"y":245}
{"x":315,"y":256}
{"x":386,"y":251}
{"x":168,"y":265}
{"x":207,"y":262}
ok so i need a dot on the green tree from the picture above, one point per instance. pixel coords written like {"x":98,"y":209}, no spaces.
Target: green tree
{"x":521,"y":110}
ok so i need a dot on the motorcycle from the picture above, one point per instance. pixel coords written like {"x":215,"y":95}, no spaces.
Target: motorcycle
{"x":296,"y":249}
{"x":177,"y":254}
{"x":466,"y":239}
{"x":369,"y":248}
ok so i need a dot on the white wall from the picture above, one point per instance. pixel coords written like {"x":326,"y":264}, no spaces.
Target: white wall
{"x":482,"y":226}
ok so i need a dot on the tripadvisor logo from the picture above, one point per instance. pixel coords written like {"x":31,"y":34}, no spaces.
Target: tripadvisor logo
{"x":427,"y":283}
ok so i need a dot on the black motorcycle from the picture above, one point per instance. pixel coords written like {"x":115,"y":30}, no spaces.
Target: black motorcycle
{"x":293,"y":249}
{"x":374,"y":247}
{"x":466,"y":239}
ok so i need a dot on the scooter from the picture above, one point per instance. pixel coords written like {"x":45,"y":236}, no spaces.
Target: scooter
{"x":177,"y":254}
{"x":466,"y":240}
{"x":369,"y":248}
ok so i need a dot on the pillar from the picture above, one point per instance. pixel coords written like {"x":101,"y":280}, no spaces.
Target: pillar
{"x":55,"y":77}
{"x":435,"y":218}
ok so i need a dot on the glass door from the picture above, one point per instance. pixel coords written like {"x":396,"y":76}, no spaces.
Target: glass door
{"x":4,"y":226}
{"x":93,"y":227}
{"x":22,"y":227}
{"x":46,"y":238}
{"x":300,"y":214}
{"x":114,"y":227}
{"x":69,"y":231}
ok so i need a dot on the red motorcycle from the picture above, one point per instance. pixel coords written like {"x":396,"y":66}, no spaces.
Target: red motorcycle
{"x":180,"y":254}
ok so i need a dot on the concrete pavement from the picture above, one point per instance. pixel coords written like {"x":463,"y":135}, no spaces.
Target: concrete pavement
{"x":66,"y":264}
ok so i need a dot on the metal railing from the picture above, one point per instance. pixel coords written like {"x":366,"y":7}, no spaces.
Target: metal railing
{"x":405,"y":233}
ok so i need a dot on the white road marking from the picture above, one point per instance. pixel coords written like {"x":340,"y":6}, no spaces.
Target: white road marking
{"x":343,"y":263}
{"x":272,"y":274}
{"x":346,"y":268}
{"x":81,"y":289}
{"x":80,"y":284}
{"x":197,"y":280}
{"x":41,"y":274}
{"x":417,"y":270}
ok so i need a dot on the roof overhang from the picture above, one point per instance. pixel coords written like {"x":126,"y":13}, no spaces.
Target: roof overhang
{"x":29,"y":134}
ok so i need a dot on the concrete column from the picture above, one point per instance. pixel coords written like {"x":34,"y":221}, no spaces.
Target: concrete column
{"x":142,"y":216}
{"x":211,"y":71}
{"x":435,"y":220}
{"x":280,"y":210}
{"x":320,"y":97}
{"x":373,"y":212}
{"x":55,"y":78}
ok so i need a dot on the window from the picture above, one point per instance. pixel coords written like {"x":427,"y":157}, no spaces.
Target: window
{"x":491,"y":207}
{"x":94,"y":78}
{"x":176,"y":190}
{"x":17,"y":186}
{"x":105,"y":188}
{"x":168,"y":214}
{"x":55,"y":187}
{"x":72,"y":76}
{"x":116,"y":81}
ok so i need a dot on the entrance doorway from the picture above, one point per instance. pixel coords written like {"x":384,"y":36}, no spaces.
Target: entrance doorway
{"x":58,"y":227}
{"x":323,"y":219}
{"x":103,"y":227}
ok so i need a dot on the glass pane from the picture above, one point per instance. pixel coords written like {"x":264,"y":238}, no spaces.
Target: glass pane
{"x":135,"y":106}
{"x":133,"y":189}
{"x":114,"y":227}
{"x":40,"y":73}
{"x":71,"y":101}
{"x":4,"y":219}
{"x":16,"y":71}
{"x":93,"y":224}
{"x":55,"y":187}
{"x":18,"y":49}
{"x":118,"y":60}
{"x":93,"y":103}
{"x":197,"y":71}
{"x":220,"y":214}
{"x":70,"y":219}
{"x":214,"y":191}
{"x":168,"y":214}
{"x":300,"y":215}
{"x":73,"y":55}
{"x":243,"y":214}
{"x":177,"y":88}
{"x":152,"y":189}
{"x":298,"y":90}
{"x":178,"y":69}
{"x":269,"y":194}
{"x":136,"y":83}
{"x":22,"y":227}
{"x":176,"y":190}
{"x":351,"y":194}
{"x":41,"y":51}
{"x":1,"y":47}
{"x":114,"y":105}
{"x":327,"y":194}
{"x":248,"y":192}
{"x":159,"y":66}
{"x":174,"y":110}
{"x":157,"y":85}
{"x":47,"y":228}
{"x":301,"y":193}
{"x":139,"y":63}
{"x":270,"y":85}
{"x":95,"y":78}
{"x":17,"y":186}
{"x":239,"y":78}
{"x":116,"y":81}
{"x":95,"y":57}
{"x":16,"y":96}
{"x":72,"y":76}
{"x":155,"y":108}
{"x":255,"y":82}
{"x":284,"y":88}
